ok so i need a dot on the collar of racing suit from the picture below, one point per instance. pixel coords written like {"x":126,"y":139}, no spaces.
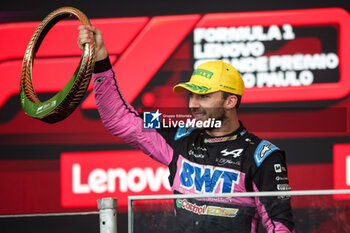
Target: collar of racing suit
{"x":237,"y":133}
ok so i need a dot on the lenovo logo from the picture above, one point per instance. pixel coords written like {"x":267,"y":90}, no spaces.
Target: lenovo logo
{"x":341,"y":168}
{"x":88,"y":176}
{"x":110,"y":180}
{"x":348,"y":170}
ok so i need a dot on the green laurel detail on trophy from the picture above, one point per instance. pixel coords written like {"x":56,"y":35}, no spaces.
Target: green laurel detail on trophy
{"x":42,"y":109}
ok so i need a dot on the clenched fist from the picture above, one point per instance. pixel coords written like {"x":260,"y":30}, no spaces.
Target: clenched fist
{"x":86,"y":35}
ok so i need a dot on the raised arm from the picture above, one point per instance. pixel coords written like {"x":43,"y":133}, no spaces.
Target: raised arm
{"x":119,"y":117}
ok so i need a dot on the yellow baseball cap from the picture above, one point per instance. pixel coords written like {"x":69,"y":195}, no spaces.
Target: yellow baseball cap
{"x":213,"y":76}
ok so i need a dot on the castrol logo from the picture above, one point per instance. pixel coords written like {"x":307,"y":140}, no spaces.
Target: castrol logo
{"x":206,"y":210}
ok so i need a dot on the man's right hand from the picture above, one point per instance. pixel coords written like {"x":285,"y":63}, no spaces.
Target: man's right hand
{"x":86,"y":34}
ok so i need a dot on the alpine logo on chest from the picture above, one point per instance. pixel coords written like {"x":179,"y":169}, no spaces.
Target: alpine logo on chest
{"x":206,"y":178}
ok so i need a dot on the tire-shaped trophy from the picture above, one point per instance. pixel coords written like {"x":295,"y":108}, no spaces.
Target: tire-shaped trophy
{"x":63,"y":103}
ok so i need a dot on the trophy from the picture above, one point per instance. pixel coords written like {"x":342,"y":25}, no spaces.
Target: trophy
{"x":63,"y":103}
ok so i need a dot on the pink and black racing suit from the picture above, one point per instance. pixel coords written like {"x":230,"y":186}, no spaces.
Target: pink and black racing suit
{"x":199,"y":163}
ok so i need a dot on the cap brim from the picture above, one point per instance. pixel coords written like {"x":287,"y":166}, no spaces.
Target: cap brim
{"x":193,"y":88}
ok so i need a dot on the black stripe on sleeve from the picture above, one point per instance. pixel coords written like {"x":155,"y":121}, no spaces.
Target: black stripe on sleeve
{"x":102,"y":66}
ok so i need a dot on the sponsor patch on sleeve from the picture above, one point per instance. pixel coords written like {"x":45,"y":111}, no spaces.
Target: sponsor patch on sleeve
{"x":100,"y":80}
{"x":263,"y":150}
{"x":183,"y":131}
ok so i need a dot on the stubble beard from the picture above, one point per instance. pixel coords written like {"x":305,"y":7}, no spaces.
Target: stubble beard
{"x":217,"y":114}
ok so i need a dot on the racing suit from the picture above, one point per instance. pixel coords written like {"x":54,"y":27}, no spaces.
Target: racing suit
{"x":199,"y":163}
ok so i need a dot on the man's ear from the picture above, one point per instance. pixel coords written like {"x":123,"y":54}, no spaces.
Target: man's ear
{"x":231,"y":101}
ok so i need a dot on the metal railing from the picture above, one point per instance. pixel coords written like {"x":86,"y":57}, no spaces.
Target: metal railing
{"x":108,"y":206}
{"x":132,"y":199}
{"x":107,"y":215}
